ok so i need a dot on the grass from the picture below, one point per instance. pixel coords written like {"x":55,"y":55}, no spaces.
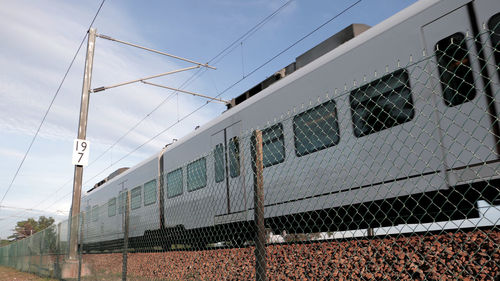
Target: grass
{"x":9,"y":274}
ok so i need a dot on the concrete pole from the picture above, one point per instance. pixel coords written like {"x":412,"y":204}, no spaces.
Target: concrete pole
{"x":82,"y":133}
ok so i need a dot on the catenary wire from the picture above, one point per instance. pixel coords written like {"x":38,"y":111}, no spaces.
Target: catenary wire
{"x":51,"y":103}
{"x":251,"y":30}
{"x":225,"y":90}
{"x":219,"y":56}
{"x":221,"y":93}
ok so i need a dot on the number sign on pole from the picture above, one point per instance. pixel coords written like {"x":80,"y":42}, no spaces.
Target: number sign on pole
{"x":81,"y":149}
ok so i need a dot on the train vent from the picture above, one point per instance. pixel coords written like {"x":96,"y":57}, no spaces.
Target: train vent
{"x":108,"y":178}
{"x":322,"y":48}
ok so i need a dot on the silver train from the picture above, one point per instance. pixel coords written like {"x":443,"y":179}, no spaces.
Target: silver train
{"x":426,"y":153}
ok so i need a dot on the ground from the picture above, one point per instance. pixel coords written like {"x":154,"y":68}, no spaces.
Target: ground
{"x":10,"y":274}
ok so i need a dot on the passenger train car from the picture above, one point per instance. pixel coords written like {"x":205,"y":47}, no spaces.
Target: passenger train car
{"x":402,"y":141}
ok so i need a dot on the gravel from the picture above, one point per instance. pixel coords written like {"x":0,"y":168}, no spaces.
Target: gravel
{"x":447,"y":256}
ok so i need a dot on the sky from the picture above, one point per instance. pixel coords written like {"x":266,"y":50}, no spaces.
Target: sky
{"x":129,"y":124}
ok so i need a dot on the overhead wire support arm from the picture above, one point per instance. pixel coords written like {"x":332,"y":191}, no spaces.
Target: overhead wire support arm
{"x":154,"y":51}
{"x":99,"y":89}
{"x":211,"y":99}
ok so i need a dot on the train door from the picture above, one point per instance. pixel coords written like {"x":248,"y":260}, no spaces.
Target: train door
{"x":229,"y":184}
{"x":465,"y":120}
{"x":488,"y":18}
{"x":122,"y":204}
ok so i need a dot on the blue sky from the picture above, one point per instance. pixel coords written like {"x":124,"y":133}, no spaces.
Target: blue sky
{"x":39,"y":39}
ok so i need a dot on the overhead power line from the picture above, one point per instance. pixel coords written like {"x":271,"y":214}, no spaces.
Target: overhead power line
{"x":50,"y":105}
{"x":251,"y":31}
{"x":247,"y":34}
{"x":29,"y":209}
{"x":220,"y":55}
{"x":224,"y":91}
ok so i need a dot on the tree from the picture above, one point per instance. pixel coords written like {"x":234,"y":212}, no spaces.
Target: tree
{"x":4,"y":242}
{"x":30,"y":226}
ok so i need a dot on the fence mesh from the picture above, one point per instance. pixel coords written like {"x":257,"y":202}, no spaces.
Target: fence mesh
{"x":42,"y":253}
{"x":396,"y":177}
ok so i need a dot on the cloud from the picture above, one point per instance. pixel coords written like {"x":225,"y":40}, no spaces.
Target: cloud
{"x":11,"y":153}
{"x":27,"y":96}
{"x":39,"y":41}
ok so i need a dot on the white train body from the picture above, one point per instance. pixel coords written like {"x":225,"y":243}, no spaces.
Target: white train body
{"x":438,"y":147}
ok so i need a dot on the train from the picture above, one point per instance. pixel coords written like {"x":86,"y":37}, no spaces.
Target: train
{"x":392,"y":124}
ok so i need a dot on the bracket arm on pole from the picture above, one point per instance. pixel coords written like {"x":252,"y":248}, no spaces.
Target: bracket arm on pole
{"x":154,"y":51}
{"x":188,"y":92}
{"x":99,"y":89}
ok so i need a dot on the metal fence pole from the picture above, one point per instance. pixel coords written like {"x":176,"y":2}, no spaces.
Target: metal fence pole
{"x":57,"y":270}
{"x":80,"y":240}
{"x":125,"y":236}
{"x":41,"y":250}
{"x":260,"y":235}
{"x":30,"y":248}
{"x":370,"y":232}
{"x":16,"y":255}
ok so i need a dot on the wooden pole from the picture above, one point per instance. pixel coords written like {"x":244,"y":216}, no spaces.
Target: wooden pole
{"x":258,"y":201}
{"x":82,"y":134}
{"x":125,"y":237}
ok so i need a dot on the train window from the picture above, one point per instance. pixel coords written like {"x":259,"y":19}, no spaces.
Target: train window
{"x":219,"y":162}
{"x":316,"y":129}
{"x":234,"y":157}
{"x":455,"y":73}
{"x":273,"y":145}
{"x":150,"y":192}
{"x":494,"y":26}
{"x":122,"y":200}
{"x":112,"y":207}
{"x":382,"y":104}
{"x":197,"y":174}
{"x":174,"y":183}
{"x":95,"y":213}
{"x":135,"y":198}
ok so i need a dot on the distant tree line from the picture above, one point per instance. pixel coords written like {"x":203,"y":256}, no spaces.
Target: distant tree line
{"x":26,"y":228}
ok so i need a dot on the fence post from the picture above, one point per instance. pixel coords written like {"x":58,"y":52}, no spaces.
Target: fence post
{"x":258,"y":201}
{"x":41,"y":250}
{"x":30,"y":248}
{"x":58,"y":241}
{"x":370,"y":232}
{"x":57,"y":269}
{"x":80,"y":241}
{"x":125,"y":236}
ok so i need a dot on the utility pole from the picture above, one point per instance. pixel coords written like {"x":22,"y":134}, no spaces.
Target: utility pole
{"x":71,"y":266}
{"x":78,"y":174}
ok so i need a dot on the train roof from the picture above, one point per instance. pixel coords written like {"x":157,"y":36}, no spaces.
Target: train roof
{"x":339,"y":50}
{"x":122,"y":172}
{"x":370,"y":33}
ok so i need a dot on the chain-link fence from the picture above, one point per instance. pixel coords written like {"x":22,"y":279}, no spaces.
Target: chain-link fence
{"x":42,"y":253}
{"x":396,"y":177}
